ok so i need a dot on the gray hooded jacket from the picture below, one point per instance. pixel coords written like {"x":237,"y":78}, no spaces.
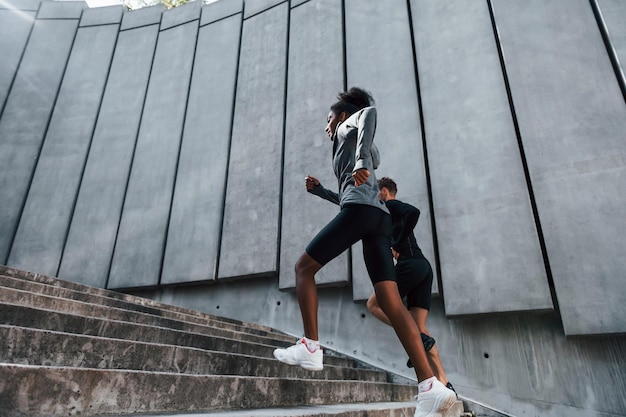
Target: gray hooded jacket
{"x":354,"y":149}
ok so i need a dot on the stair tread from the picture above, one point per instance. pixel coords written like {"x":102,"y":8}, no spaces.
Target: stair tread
{"x":82,"y":296}
{"x":99,"y":352}
{"x":95,"y":392}
{"x":43,"y":347}
{"x":307,"y":410}
{"x":64,"y":305}
{"x":94,"y":326}
{"x":58,"y":282}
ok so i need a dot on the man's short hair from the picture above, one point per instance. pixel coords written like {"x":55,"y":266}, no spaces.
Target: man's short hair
{"x":389,"y":184}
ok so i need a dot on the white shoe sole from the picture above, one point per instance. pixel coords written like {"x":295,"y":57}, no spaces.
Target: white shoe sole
{"x":310,"y":366}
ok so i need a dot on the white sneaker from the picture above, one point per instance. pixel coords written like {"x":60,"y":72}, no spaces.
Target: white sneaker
{"x":434,"y":402}
{"x":299,"y":354}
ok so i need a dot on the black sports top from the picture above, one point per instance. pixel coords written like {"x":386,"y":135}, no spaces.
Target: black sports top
{"x":404,"y":218}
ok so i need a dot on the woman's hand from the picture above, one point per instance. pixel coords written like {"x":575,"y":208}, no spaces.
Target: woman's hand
{"x":311,"y":182}
{"x":360,"y":176}
{"x":395,"y":254}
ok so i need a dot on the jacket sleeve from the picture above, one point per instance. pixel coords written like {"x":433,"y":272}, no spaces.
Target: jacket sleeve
{"x":366,"y":125}
{"x":325,"y":193}
{"x":409,"y":215}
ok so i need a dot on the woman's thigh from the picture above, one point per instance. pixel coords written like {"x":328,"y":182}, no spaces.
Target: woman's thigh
{"x":377,"y":250}
{"x":337,"y":236}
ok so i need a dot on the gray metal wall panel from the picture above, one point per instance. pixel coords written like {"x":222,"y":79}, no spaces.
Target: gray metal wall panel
{"x":141,"y":238}
{"x":142,"y":17}
{"x":219,"y":10}
{"x":15,"y":26}
{"x":32,"y":5}
{"x":296,"y":3}
{"x":250,"y":232}
{"x":102,"y":16}
{"x":195,"y":223}
{"x":181,"y":14}
{"x":254,"y":7}
{"x":315,"y":78}
{"x":89,"y":248}
{"x":42,"y":230}
{"x":572,"y":120}
{"x":371,"y":27}
{"x":25,"y":117}
{"x":614,"y":15}
{"x":61,"y":9}
{"x":488,"y":244}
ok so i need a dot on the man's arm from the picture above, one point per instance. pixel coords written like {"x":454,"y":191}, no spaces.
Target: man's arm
{"x":409,"y":214}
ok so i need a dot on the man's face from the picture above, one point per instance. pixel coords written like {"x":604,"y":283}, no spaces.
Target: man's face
{"x":383,"y":194}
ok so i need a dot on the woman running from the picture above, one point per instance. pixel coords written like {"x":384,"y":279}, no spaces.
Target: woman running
{"x":351,"y":126}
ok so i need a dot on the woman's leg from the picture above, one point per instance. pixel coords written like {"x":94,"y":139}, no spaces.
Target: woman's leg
{"x":306,"y":291}
{"x":420,"y":315}
{"x":403,"y":324}
{"x":331,"y":241}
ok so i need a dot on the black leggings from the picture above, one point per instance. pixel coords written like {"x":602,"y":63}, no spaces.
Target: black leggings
{"x":357,"y":222}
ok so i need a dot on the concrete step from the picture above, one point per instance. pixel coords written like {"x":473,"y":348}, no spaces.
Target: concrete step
{"x":27,"y":346}
{"x":86,"y":297}
{"x":69,"y":349}
{"x":139,"y":301}
{"x":62,"y":391}
{"x":36,"y":318}
{"x":378,"y":409}
{"x":61,"y":305}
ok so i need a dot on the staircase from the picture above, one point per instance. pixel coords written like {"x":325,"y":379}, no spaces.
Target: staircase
{"x":68,"y":349}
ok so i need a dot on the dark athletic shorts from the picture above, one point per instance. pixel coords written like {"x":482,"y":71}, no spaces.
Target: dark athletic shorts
{"x":357,"y":222}
{"x":415,"y":280}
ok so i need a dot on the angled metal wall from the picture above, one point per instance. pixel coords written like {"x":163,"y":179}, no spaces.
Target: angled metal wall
{"x":250,"y":233}
{"x":28,"y":109}
{"x":572,"y":120}
{"x":194,"y":231}
{"x":166,"y":147}
{"x":151,"y":149}
{"x":91,"y":238}
{"x":140,"y":244}
{"x":489,"y":247}
{"x":51,"y":199}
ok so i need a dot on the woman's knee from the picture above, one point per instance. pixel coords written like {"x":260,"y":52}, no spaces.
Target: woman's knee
{"x":371,"y":304}
{"x":305,"y":265}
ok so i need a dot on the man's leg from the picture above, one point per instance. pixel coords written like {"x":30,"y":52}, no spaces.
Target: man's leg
{"x":388,"y":298}
{"x":374,"y":308}
{"x":420,"y":315}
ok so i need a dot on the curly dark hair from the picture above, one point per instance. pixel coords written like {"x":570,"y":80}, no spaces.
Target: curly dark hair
{"x":352,"y":101}
{"x":389,"y":184}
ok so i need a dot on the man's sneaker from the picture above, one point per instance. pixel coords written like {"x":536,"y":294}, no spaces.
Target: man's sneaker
{"x":434,"y":401}
{"x":299,"y":354}
{"x":428,"y":341}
